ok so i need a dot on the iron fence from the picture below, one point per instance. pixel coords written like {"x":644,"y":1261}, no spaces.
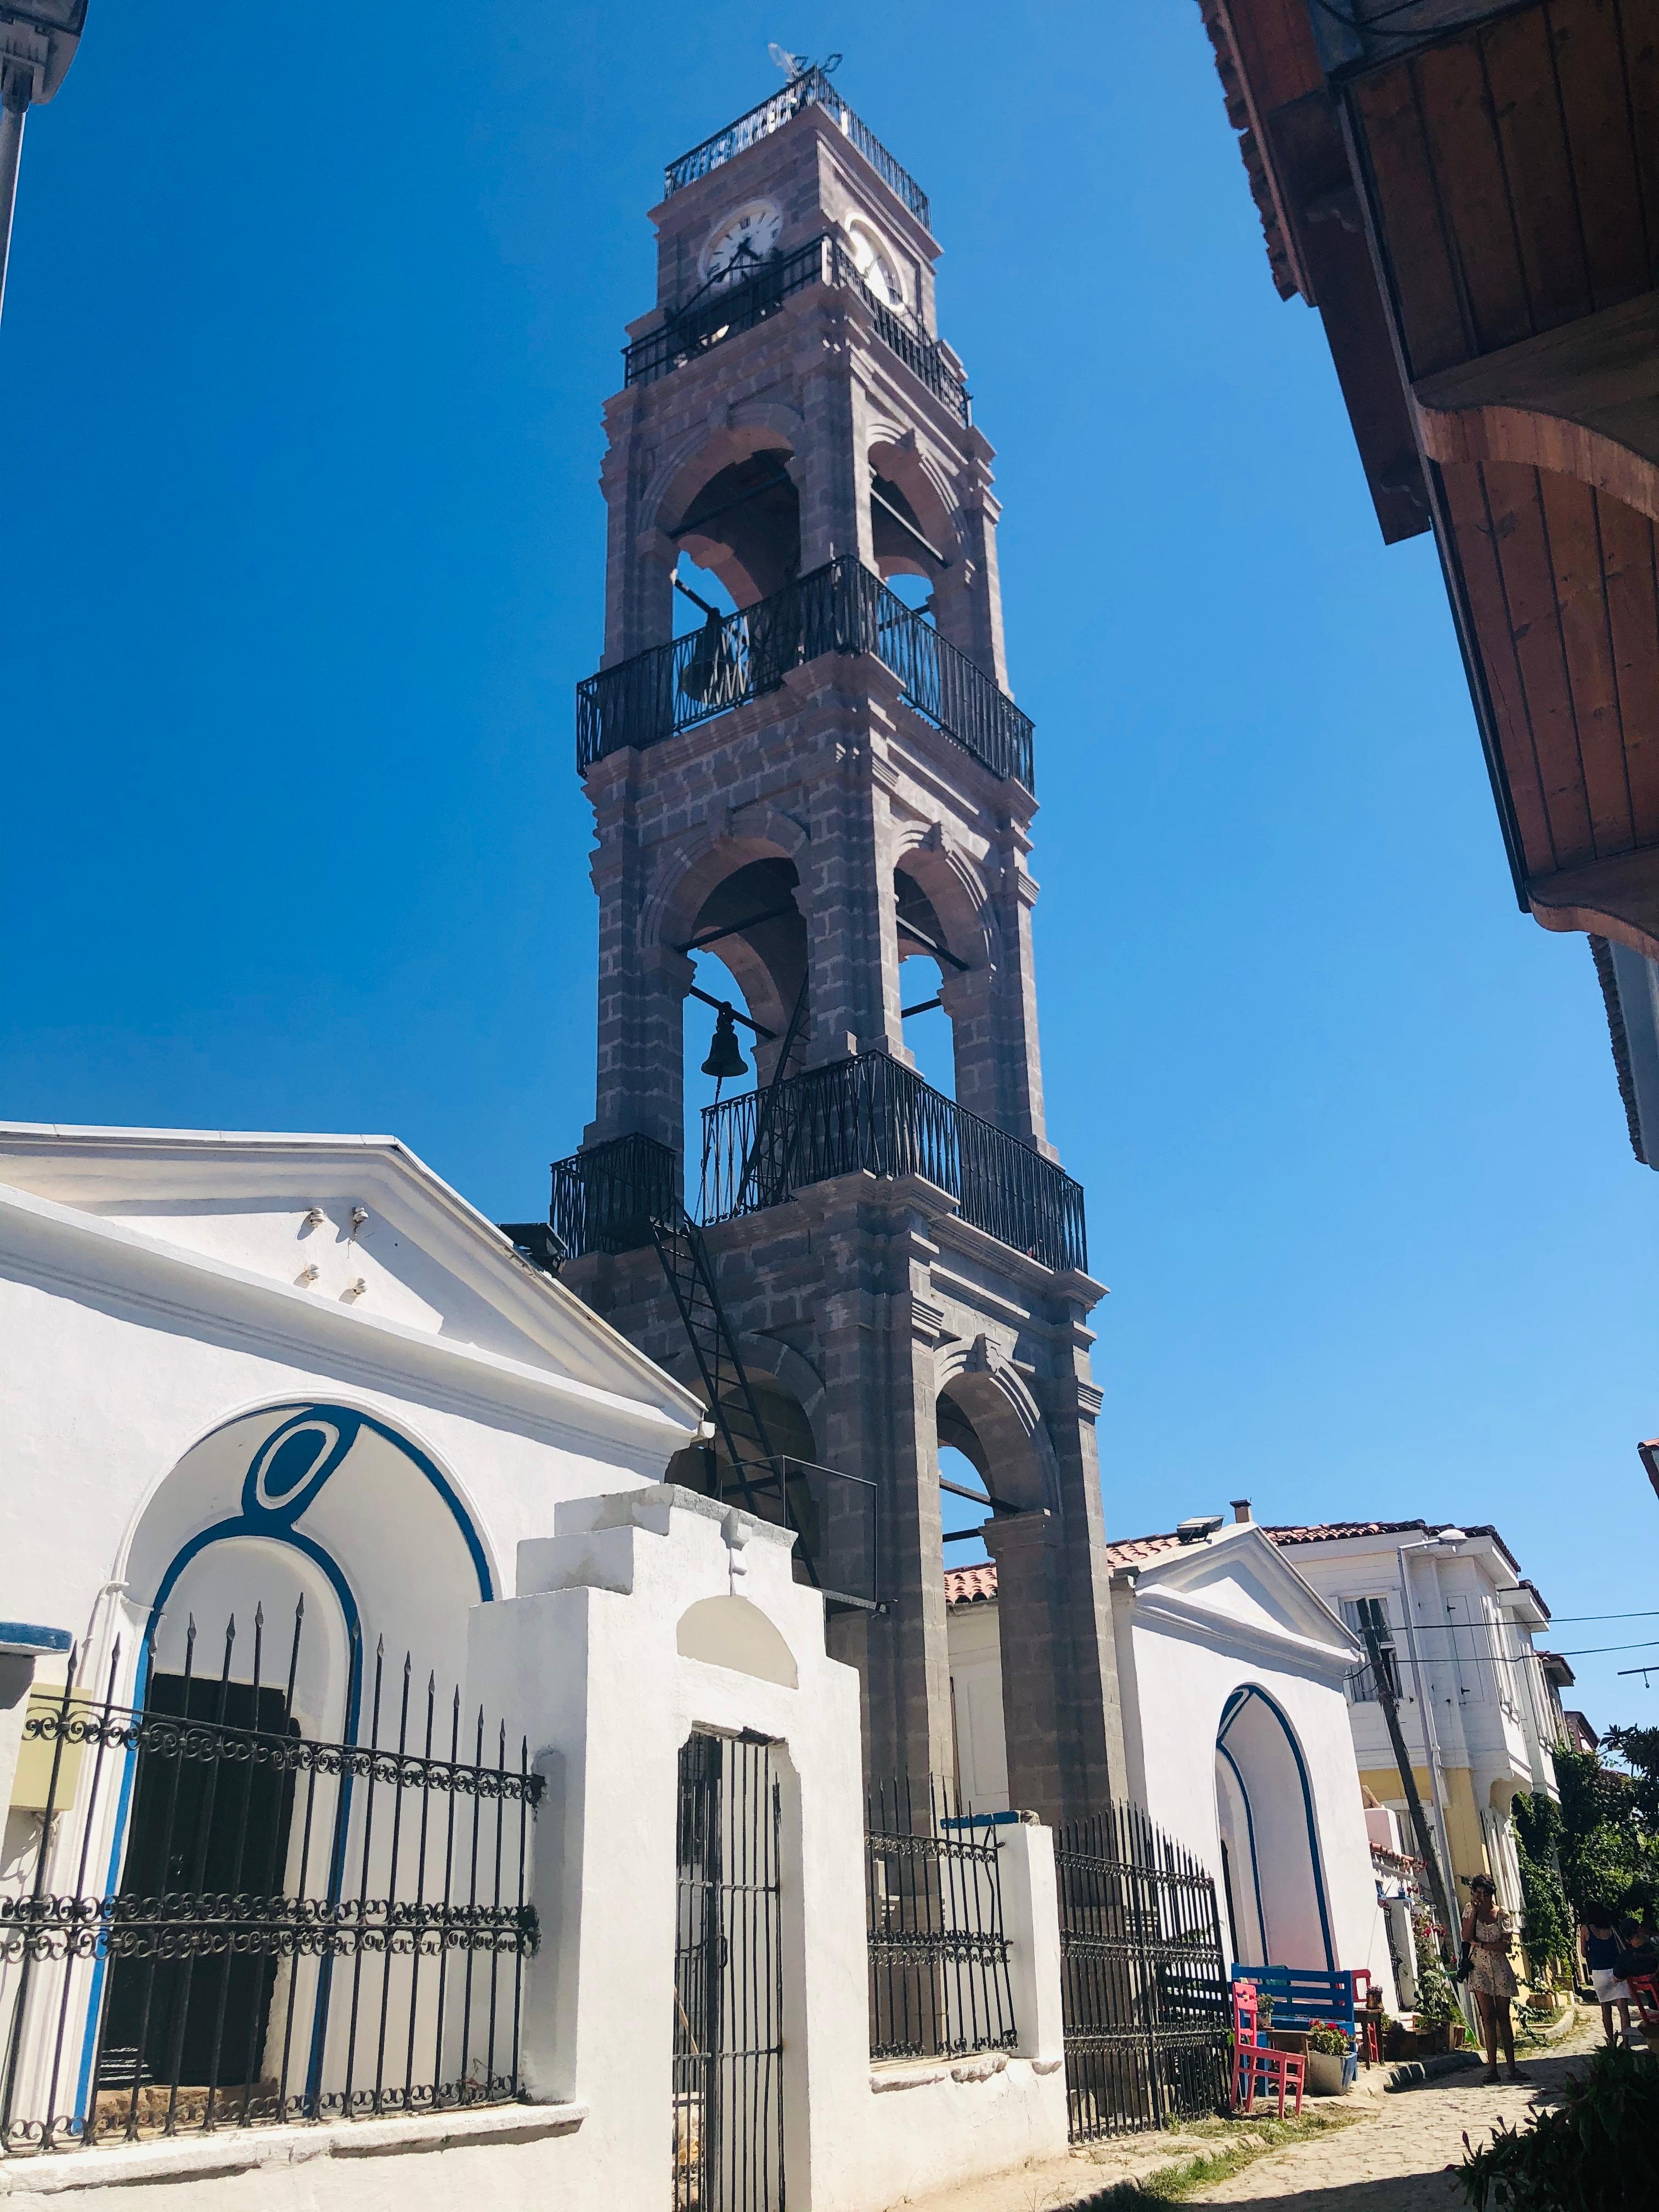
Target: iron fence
{"x":1144,"y":1980}
{"x":872,"y":1113}
{"x":605,"y":1199}
{"x":840,"y":608}
{"x":938,"y":1953}
{"x":712,"y":316}
{"x":288,"y":1929}
{"x":812,"y":88}
{"x":728,"y":1979}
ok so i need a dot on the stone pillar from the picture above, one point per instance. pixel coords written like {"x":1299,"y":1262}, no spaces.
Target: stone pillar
{"x":852,"y":931}
{"x":831,"y":468}
{"x":639,"y":594}
{"x":640,"y":1081}
{"x":1014,"y":1011}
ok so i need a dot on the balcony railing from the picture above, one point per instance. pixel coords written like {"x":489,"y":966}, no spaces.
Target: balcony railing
{"x":812,"y":88}
{"x":605,"y":1199}
{"x":873,"y":1114}
{"x":716,"y":316}
{"x":840,"y":608}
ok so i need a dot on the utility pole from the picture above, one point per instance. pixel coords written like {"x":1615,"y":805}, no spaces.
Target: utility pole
{"x":38,"y":42}
{"x":1370,"y":1627}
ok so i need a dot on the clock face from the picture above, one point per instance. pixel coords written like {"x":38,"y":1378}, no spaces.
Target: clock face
{"x":742,"y":242}
{"x":875,"y":264}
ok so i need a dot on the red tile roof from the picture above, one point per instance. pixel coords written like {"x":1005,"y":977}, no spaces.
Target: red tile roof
{"x":976,"y":1585}
{"x":970,"y":1585}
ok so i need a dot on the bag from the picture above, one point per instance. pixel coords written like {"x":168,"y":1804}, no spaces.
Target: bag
{"x":1464,"y":1965}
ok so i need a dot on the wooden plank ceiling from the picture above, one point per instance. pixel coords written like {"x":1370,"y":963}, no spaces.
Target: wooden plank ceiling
{"x":1509,"y":172}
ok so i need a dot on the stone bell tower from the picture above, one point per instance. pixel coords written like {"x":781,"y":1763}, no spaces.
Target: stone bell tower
{"x":821,"y":786}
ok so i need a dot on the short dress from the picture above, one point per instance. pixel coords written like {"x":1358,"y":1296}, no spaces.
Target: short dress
{"x":1489,"y":1971}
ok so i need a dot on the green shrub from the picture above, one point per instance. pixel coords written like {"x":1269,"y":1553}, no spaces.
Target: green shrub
{"x":1547,"y":1934}
{"x":1592,"y":2154}
{"x":1437,"y":2000}
{"x":1323,"y":2036}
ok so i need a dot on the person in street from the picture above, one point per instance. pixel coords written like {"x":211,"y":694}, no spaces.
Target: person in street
{"x":1599,"y":1946}
{"x":1489,"y":1934}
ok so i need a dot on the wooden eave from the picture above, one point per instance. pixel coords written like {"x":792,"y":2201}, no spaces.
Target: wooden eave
{"x":1501,"y":181}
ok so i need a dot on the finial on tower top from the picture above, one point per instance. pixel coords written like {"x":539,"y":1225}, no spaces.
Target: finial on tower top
{"x":797,"y":65}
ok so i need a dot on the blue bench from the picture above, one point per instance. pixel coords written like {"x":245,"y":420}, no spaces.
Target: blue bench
{"x":1302,"y":1995}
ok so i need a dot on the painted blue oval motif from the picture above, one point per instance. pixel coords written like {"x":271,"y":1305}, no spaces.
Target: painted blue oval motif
{"x":295,"y":1460}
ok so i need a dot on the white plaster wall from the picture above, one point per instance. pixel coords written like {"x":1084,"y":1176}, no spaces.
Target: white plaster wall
{"x":976,"y":1655}
{"x":1181,"y":1689}
{"x":101,"y":1395}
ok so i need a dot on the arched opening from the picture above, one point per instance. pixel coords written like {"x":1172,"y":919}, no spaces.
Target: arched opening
{"x":926,"y":964}
{"x":300,"y":1581}
{"x":910,"y":527}
{"x":1273,"y":1880}
{"x":748,"y":952}
{"x":742,"y":526}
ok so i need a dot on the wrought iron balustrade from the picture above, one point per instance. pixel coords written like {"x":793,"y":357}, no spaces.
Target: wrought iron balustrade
{"x":712,"y":318}
{"x":872,"y":1113}
{"x":938,"y":1949}
{"x":841,"y":608}
{"x":1147,"y":2010}
{"x":812,"y":88}
{"x":294,"y":1929}
{"x":605,"y":1199}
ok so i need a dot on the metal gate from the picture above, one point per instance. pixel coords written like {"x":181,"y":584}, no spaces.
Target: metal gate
{"x":1147,"y":2011}
{"x":728,"y":1981}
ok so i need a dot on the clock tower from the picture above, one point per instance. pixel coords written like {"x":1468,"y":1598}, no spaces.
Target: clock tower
{"x":824,"y":784}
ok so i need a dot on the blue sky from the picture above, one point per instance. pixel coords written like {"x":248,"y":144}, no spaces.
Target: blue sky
{"x":306,"y":336}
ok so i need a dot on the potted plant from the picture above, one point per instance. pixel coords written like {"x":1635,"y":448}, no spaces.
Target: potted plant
{"x":1326,"y":2059}
{"x":1437,"y":2000}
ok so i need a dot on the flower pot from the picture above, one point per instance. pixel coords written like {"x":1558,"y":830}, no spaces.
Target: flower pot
{"x":1431,"y":2039}
{"x":1324,"y":2074}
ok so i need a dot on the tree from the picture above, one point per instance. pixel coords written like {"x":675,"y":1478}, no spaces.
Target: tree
{"x":1608,"y":1844}
{"x":1547,"y":1934}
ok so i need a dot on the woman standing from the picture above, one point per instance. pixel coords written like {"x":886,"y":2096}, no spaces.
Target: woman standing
{"x":1490,"y":1937}
{"x":1599,"y":1946}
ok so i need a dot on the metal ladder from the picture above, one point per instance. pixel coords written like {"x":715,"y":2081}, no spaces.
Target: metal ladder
{"x":759,"y":1469}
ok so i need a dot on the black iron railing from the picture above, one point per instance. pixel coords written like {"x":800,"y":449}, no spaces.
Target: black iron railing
{"x":728,"y":1978}
{"x":840,"y":608}
{"x":1147,"y":2008}
{"x":939,"y":1951}
{"x":712,"y":317}
{"x":812,"y":88}
{"x":604,"y":1200}
{"x":297,"y":1929}
{"x":872,"y":1114}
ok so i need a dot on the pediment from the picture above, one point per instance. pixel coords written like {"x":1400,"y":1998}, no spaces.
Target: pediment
{"x":1239,"y":1578}
{"x":356,"y":1224}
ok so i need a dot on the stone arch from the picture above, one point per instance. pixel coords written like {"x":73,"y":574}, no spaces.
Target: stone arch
{"x":739,"y":480}
{"x":734,"y":1633}
{"x":896,"y":458}
{"x":985,"y":1410}
{"x":955,"y":889}
{"x":723,"y":882}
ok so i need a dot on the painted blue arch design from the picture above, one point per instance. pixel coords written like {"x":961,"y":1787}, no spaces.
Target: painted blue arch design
{"x":1230,"y":1712}
{"x":286,"y":1475}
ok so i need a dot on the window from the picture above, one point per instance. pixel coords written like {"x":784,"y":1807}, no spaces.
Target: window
{"x":1360,"y":1613}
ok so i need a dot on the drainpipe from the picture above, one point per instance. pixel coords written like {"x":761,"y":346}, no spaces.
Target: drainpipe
{"x":1451,"y":1537}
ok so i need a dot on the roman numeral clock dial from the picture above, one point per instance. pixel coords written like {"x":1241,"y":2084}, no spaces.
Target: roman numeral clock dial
{"x":741,"y":242}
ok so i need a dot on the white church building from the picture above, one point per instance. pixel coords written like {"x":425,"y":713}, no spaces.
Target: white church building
{"x":1236,"y":1729}
{"x":393,"y":1761}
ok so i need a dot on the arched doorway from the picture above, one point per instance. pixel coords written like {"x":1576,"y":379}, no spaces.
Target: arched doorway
{"x":1273,"y":1883}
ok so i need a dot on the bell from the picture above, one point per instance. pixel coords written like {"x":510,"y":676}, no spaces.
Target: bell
{"x":725,"y":1053}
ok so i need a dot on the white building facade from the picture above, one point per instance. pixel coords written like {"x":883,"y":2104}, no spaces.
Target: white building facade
{"x":1236,"y":1731}
{"x":418,"y":1737}
{"x":1476,"y":1710}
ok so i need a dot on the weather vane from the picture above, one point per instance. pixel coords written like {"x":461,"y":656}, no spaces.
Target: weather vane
{"x":797,"y":65}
